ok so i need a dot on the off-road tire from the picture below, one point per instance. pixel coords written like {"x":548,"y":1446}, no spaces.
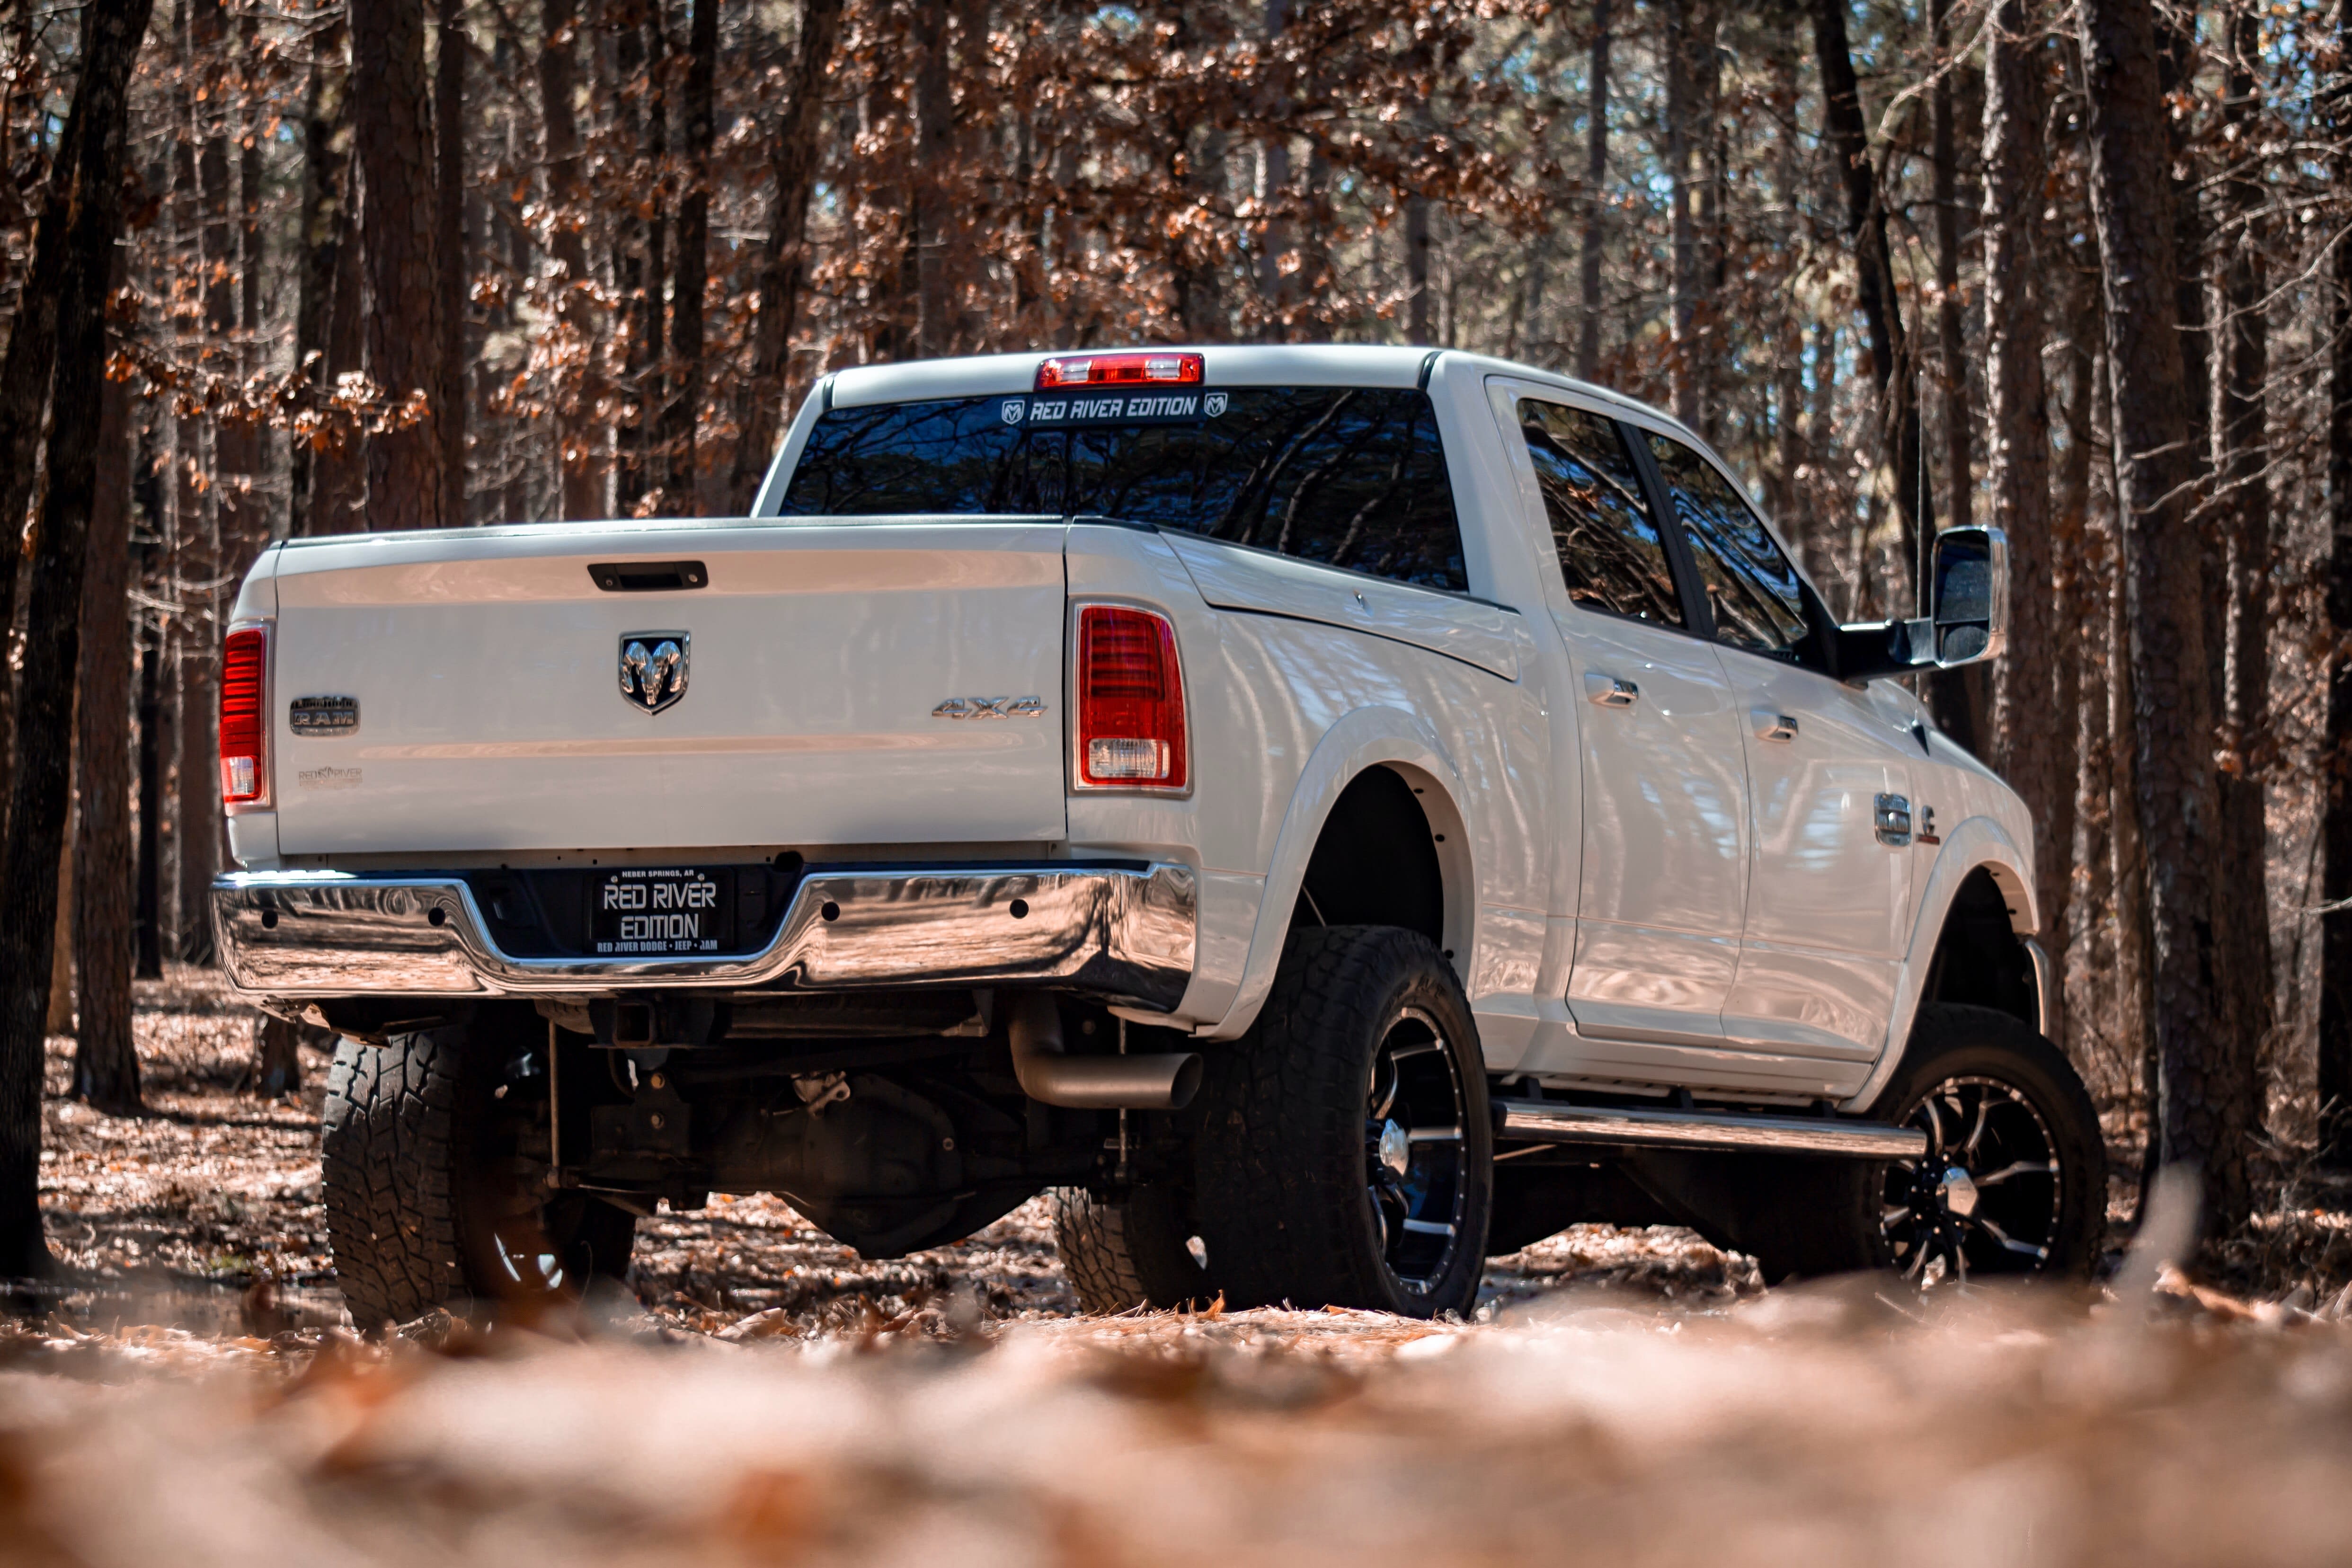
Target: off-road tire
{"x":1131,"y":1253}
{"x":1281,"y":1165}
{"x":408,"y":1174}
{"x":1823,"y":1217}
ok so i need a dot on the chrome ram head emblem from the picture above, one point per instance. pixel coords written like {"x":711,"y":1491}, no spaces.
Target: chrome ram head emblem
{"x":653,"y":668}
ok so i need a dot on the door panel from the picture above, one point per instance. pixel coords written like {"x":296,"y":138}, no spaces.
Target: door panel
{"x":1665,"y":833}
{"x":1823,"y":943}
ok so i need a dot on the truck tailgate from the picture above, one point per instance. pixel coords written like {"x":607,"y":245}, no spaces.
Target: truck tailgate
{"x":487,"y":671}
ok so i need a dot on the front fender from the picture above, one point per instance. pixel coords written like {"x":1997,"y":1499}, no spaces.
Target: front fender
{"x":1979,"y":842}
{"x":1366,"y":737}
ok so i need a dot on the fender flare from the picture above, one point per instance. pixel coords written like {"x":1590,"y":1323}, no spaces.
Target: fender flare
{"x":1364,"y":738}
{"x":1979,"y":843}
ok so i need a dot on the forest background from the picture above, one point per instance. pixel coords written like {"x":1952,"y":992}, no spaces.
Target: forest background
{"x":2077,"y":271}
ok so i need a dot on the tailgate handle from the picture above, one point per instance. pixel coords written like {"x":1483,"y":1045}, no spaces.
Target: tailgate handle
{"x":648,"y":576}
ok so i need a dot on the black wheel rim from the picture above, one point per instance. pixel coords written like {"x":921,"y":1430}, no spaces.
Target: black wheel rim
{"x":1987,"y":1198}
{"x":1413,"y":1151}
{"x":530,"y":1242}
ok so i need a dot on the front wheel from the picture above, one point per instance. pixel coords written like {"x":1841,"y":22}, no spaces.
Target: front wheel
{"x":2015,"y":1178}
{"x":1346,"y":1155}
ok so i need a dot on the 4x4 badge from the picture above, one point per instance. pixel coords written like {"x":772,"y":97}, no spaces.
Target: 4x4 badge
{"x":653,"y":668}
{"x":989,"y":707}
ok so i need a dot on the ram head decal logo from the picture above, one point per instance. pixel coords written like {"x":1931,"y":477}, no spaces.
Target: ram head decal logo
{"x":653,"y":668}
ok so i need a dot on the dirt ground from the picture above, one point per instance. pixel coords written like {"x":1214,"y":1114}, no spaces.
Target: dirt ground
{"x":1630,"y":1396}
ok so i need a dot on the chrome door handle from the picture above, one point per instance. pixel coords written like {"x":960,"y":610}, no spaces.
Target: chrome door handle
{"x":1771,"y":726}
{"x":1607,"y":691}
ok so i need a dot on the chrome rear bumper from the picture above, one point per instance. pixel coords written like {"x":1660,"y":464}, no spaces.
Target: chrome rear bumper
{"x":1126,"y":935}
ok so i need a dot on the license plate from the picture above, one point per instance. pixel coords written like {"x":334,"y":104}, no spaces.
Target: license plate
{"x":644,"y":911}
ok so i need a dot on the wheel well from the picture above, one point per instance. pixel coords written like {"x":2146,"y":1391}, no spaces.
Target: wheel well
{"x":1375,"y":863}
{"x":1979,"y":957}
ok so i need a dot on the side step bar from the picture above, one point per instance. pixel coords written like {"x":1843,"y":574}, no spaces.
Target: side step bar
{"x":1613,"y":1127}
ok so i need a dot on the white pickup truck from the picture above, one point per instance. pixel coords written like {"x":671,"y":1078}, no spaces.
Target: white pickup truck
{"x":1329,"y":814}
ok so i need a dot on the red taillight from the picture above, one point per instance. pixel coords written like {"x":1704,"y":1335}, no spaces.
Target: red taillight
{"x":1119,"y":370}
{"x":1130,"y":700}
{"x":245,"y":718}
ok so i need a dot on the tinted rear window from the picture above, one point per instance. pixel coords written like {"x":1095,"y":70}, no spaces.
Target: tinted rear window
{"x":1345,"y":476}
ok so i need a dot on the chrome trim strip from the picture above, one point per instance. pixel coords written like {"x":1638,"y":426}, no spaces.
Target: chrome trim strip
{"x":2046,"y":988}
{"x":1119,"y":934}
{"x":1544,"y":1121}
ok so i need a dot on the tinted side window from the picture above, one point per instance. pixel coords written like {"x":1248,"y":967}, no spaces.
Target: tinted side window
{"x":1750,"y":583}
{"x":1609,"y":549}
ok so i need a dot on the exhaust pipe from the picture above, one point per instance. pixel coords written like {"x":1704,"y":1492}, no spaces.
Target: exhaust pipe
{"x":1159,"y":1083}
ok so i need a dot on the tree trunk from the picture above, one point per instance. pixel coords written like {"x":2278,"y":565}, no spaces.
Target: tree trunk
{"x":238,"y":445}
{"x":2034,"y":738}
{"x":783,"y":269}
{"x":391,"y":118}
{"x":89,"y":166}
{"x":339,"y":483}
{"x":934,"y":155}
{"x":150,"y":807}
{"x":1418,"y":328}
{"x":1682,"y":276}
{"x":643,"y":121}
{"x":1709,"y":347}
{"x":197,"y":825}
{"x":1820,"y":427}
{"x":23,"y":398}
{"x":1274,"y":201}
{"x":2335,"y":931}
{"x":1865,"y":230}
{"x":2206,"y":1089}
{"x":451,"y":280}
{"x":106,"y":1066}
{"x":685,"y":409}
{"x":2241,"y":367}
{"x":236,"y":441}
{"x":1200,"y":294}
{"x":322,"y":226}
{"x":1596,"y":179}
{"x":57,"y":1017}
{"x":276,"y":1057}
{"x":580,"y":435}
{"x":2100,"y":1045}
{"x":1959,"y":699}
{"x":1958,"y":478}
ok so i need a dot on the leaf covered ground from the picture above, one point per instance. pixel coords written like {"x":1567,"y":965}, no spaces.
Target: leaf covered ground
{"x":195,"y":1396}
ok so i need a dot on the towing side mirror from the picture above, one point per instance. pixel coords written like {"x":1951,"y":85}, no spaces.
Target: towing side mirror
{"x":1967,"y":621}
{"x":1970,"y":596}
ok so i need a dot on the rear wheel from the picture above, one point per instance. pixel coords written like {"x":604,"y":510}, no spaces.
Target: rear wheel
{"x":1137,"y":1251}
{"x":1346,"y":1155}
{"x":435,"y":1182}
